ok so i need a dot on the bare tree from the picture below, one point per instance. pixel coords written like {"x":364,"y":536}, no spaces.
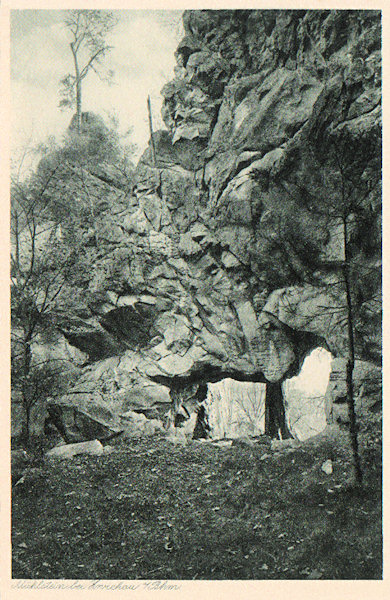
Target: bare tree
{"x":335,"y":200}
{"x":89,"y":30}
{"x":351,"y":207}
{"x":40,"y":266}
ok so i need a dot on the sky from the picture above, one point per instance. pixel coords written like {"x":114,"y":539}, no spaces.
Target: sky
{"x":142,"y":60}
{"x":314,"y":375}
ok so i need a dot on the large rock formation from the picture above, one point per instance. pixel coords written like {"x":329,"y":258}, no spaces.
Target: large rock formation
{"x":207,"y":290}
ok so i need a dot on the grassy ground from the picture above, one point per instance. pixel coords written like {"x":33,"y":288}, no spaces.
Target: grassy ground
{"x":153,"y":510}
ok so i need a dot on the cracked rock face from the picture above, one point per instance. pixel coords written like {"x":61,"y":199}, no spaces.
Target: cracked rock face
{"x":252,"y":89}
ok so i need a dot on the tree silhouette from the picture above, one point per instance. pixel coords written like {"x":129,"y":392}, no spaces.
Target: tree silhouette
{"x":89,"y":30}
{"x":41,"y":264}
{"x":327,"y":228}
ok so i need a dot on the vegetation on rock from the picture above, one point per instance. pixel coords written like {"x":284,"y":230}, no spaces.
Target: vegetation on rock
{"x":58,"y":225}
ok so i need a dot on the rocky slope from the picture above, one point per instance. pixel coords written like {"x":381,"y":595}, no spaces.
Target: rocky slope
{"x":212,"y":287}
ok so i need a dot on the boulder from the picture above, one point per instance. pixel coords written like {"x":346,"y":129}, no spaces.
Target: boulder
{"x":327,"y":467}
{"x":137,"y":424}
{"x":92,"y":448}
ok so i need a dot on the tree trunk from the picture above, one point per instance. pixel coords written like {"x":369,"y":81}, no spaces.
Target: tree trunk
{"x":78,"y":105}
{"x":25,"y":391}
{"x":275,"y":415}
{"x":78,"y":88}
{"x":353,"y":430}
{"x":151,"y":133}
{"x":17,"y":247}
{"x":353,"y":425}
{"x":26,"y":425}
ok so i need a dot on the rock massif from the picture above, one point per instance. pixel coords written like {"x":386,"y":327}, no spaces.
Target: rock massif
{"x":211,"y":290}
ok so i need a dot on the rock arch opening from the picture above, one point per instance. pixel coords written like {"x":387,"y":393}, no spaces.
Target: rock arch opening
{"x":304,"y":395}
{"x":235,"y":408}
{"x":230,"y":408}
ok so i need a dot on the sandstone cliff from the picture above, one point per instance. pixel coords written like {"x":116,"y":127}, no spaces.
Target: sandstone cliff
{"x":204,"y":282}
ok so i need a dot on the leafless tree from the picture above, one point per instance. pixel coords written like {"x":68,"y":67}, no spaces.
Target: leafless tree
{"x":40,"y":267}
{"x":335,"y":199}
{"x":89,"y":30}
